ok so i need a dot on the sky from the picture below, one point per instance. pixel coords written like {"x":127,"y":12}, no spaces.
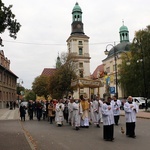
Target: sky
{"x":46,"y":25}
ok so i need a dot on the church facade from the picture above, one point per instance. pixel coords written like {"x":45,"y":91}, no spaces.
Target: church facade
{"x":123,"y":48}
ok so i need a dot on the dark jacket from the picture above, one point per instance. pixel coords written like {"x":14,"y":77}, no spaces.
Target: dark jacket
{"x":22,"y":110}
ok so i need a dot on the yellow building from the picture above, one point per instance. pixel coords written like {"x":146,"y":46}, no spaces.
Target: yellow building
{"x":112,"y":61}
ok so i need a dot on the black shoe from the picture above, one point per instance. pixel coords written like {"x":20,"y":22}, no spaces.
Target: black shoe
{"x":111,"y":139}
{"x":98,"y":125}
{"x":132,"y":136}
{"x":77,"y":128}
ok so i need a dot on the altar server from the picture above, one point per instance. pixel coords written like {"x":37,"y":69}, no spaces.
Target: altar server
{"x":131,"y":110}
{"x":108,"y":120}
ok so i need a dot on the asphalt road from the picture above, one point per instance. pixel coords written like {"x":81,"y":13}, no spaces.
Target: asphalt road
{"x":40,"y":135}
{"x":12,"y":136}
{"x":51,"y":137}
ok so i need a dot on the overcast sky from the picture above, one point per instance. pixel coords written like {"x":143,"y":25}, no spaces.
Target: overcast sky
{"x":46,"y":25}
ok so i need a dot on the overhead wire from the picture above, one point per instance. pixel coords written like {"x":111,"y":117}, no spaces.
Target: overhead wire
{"x":57,"y":44}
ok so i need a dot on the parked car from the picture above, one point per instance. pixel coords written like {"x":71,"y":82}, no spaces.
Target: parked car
{"x":148,"y":103}
{"x":140,"y":101}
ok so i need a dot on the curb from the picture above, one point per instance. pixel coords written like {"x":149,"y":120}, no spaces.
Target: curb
{"x":142,"y":117}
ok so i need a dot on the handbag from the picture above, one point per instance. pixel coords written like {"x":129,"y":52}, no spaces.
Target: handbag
{"x":53,"y":112}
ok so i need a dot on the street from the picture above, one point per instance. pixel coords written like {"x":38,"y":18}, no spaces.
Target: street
{"x":40,"y":135}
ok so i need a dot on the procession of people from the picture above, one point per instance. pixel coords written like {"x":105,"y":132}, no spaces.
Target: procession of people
{"x":82,"y":112}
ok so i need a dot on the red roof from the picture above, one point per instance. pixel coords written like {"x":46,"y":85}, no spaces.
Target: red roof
{"x":98,"y":71}
{"x":48,"y":71}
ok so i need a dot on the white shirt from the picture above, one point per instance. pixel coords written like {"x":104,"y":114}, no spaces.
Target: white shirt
{"x":130,"y":113}
{"x":107,"y":114}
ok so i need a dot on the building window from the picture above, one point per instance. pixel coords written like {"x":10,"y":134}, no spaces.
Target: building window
{"x":80,"y":65}
{"x":81,"y":73}
{"x":108,"y":69}
{"x":80,"y":42}
{"x":75,"y":18}
{"x":114,"y":68}
{"x":80,"y":51}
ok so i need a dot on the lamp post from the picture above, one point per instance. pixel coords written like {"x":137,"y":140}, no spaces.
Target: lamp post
{"x":115,"y":59}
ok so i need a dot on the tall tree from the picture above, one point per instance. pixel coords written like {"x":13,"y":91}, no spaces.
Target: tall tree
{"x":60,"y":82}
{"x":8,"y":21}
{"x":30,"y":95}
{"x":135,"y":78}
{"x":40,"y":86}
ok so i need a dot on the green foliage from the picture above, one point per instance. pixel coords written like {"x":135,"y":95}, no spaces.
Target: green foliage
{"x":8,"y":21}
{"x":30,"y":95}
{"x":132,"y":77}
{"x":60,"y":82}
{"x":19,"y":89}
{"x":40,"y":86}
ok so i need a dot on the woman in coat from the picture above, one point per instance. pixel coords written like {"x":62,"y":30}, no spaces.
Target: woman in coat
{"x":51,"y":111}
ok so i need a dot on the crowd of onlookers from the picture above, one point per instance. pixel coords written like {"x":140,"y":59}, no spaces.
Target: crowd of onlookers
{"x":12,"y":104}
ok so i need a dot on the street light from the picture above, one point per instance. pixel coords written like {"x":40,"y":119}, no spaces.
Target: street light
{"x":115,"y":58}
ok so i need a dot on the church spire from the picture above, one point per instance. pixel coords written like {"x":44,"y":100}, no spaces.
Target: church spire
{"x":77,"y":25}
{"x":124,"y":33}
{"x":58,"y":62}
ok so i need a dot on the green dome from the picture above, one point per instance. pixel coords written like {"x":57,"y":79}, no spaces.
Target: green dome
{"x":77,"y":8}
{"x":123,"y":28}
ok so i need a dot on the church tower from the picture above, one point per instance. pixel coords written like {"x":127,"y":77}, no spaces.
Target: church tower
{"x":78,"y":50}
{"x":58,"y":62}
{"x":78,"y":44}
{"x":124,"y":33}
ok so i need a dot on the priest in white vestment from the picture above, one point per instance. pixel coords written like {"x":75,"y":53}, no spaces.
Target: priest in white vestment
{"x":59,"y":118}
{"x":77,"y":113}
{"x":97,"y":107}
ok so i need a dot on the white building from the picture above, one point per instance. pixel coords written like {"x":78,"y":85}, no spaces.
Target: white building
{"x":78,"y":47}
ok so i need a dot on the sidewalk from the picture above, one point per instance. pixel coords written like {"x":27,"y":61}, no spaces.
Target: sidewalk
{"x":13,"y":136}
{"x":7,"y":114}
{"x":141,"y":114}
